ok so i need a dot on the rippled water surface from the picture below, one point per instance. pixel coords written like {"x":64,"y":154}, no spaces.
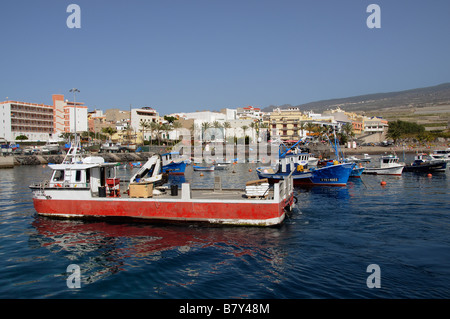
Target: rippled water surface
{"x":322,"y":250}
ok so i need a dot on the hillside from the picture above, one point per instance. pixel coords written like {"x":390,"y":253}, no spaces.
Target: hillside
{"x":421,"y":97}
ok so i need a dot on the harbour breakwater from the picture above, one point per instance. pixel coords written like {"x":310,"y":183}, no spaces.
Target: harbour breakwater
{"x":321,"y":151}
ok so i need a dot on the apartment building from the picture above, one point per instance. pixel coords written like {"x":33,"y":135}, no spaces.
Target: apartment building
{"x":41,"y":122}
{"x":67,"y":117}
{"x":286,"y":123}
{"x":144,"y":114}
{"x":35,"y":121}
{"x":375,"y":125}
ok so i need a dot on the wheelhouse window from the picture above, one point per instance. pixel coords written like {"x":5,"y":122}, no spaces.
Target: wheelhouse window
{"x":78,"y":176}
{"x":58,"y":176}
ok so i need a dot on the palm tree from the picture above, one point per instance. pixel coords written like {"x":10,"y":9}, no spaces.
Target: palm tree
{"x":176,"y":125}
{"x":254,"y":127}
{"x":244,"y":127}
{"x":144,"y":127}
{"x":158,"y":128}
{"x":226,"y":125}
{"x":302,"y":127}
{"x":310,"y":127}
{"x":348,"y":130}
{"x":205,"y":126}
{"x":264,"y":126}
{"x":166,"y":128}
{"x":152,"y":127}
{"x":217,"y":126}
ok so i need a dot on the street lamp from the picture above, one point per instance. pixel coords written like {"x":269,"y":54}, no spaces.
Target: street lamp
{"x":74,"y":91}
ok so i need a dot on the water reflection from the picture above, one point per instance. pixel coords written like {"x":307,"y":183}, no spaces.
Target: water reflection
{"x":102,"y":249}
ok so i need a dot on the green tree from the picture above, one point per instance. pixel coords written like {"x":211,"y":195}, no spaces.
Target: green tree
{"x":109,"y":130}
{"x":21,"y":137}
{"x":401,"y":129}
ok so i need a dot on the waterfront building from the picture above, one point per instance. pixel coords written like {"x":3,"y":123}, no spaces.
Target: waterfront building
{"x":96,"y":123}
{"x":35,"y":121}
{"x":66,"y":117}
{"x":143,"y":115}
{"x":249,"y":112}
{"x":375,"y":125}
{"x":344,"y":117}
{"x":288,"y":124}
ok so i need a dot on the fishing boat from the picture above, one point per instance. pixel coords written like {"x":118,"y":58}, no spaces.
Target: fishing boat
{"x":221,"y":166}
{"x":357,"y":171}
{"x":425,"y":163}
{"x":109,"y":147}
{"x":173,"y":163}
{"x":88,"y":188}
{"x":293,"y":161}
{"x":135,"y":164}
{"x":50,"y":147}
{"x":354,"y":159}
{"x":331,"y":175}
{"x":389,"y":165}
{"x":441,"y":155}
{"x":203,"y":168}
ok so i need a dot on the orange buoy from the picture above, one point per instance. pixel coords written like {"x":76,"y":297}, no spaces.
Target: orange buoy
{"x":201,"y":174}
{"x":383,"y":183}
{"x":249,"y":169}
{"x":429,"y":175}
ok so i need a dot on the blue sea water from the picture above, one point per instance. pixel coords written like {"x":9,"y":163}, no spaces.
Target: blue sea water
{"x":322,"y":250}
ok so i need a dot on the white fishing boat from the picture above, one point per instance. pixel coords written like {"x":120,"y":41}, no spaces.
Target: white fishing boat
{"x":50,"y":148}
{"x":443,"y":155}
{"x":109,"y":147}
{"x":389,"y":165}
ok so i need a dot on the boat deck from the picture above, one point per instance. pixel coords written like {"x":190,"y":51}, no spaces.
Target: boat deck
{"x":205,"y":194}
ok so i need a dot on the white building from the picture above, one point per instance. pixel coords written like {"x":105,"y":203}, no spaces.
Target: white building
{"x":35,"y":121}
{"x":144,"y":114}
{"x":250,"y":112}
{"x":65,"y":113}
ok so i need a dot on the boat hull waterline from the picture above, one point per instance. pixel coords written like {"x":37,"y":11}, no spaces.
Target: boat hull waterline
{"x":333,"y":175}
{"x":241,"y":212}
{"x":396,"y":171}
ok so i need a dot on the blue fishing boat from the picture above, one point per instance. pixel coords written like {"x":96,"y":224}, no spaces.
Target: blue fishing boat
{"x":173,"y":163}
{"x":292,"y":160}
{"x":357,"y":171}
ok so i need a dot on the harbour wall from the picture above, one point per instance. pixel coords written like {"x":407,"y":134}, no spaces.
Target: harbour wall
{"x":319,"y":150}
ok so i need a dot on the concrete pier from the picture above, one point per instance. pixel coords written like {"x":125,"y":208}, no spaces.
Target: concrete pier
{"x":6,"y":162}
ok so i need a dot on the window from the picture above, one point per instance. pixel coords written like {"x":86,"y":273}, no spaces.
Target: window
{"x":58,"y":176}
{"x":78,"y":176}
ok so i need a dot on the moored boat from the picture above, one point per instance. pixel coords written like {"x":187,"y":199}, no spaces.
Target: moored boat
{"x":332,"y":173}
{"x":357,"y":171}
{"x":173,"y":163}
{"x":203,"y":168}
{"x":425,"y":163}
{"x":221,"y":166}
{"x":389,"y":165}
{"x":88,"y":188}
{"x":443,"y":155}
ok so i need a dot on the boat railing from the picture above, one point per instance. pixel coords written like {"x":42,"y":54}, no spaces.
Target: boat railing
{"x":284,"y":188}
{"x":66,"y":184}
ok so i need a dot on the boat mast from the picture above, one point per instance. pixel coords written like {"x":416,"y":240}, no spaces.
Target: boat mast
{"x":72,"y":156}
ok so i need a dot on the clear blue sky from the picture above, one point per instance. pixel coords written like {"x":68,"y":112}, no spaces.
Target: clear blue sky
{"x":188,"y":55}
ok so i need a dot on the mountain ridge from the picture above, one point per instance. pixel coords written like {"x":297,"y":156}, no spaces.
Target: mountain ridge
{"x":419,"y":97}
